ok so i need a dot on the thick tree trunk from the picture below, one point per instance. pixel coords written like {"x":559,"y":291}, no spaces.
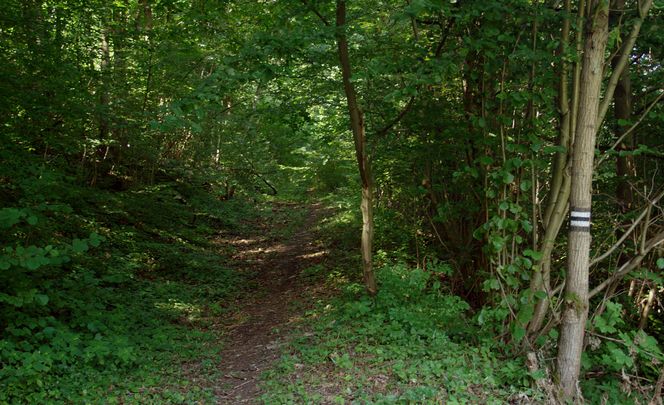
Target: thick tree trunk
{"x":360,"y":140}
{"x":575,"y":310}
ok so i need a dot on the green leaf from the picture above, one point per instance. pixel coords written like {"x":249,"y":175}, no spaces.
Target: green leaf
{"x":486,"y":160}
{"x":533,"y":254}
{"x":660,"y":263}
{"x":9,"y":217}
{"x":526,"y":225}
{"x":497,"y":242}
{"x":94,"y":239}
{"x":32,"y":220}
{"x":492,"y":284}
{"x":554,"y":149}
{"x":525,"y":314}
{"x":508,"y":178}
{"x":518,"y":334}
{"x":540,"y":295}
{"x":515,"y":209}
{"x":41,"y":299}
{"x":196,"y":127}
{"x":79,"y":246}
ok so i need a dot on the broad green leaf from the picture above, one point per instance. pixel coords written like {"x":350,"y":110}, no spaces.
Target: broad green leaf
{"x":533,"y":254}
{"x":540,"y":295}
{"x":9,"y":217}
{"x":95,"y":239}
{"x":41,"y":299}
{"x":79,"y":246}
{"x":518,"y":333}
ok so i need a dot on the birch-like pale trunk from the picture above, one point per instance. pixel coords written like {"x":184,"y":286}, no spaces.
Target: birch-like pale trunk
{"x":575,"y":312}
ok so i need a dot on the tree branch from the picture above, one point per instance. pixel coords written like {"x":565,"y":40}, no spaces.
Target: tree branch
{"x":398,"y":118}
{"x":630,"y":130}
{"x":622,"y":62}
{"x":630,"y":265}
{"x":313,"y":10}
{"x":629,"y":231}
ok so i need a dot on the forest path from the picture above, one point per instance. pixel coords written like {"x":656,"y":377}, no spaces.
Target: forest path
{"x":276,"y":255}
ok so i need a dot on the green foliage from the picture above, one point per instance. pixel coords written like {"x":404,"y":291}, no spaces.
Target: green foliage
{"x":626,"y":347}
{"x":130,"y":129}
{"x":100,"y":289}
{"x":617,"y":350}
{"x":414,"y":341}
{"x":332,"y":175}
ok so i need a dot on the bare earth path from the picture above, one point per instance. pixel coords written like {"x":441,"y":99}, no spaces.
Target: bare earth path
{"x":254,"y":340}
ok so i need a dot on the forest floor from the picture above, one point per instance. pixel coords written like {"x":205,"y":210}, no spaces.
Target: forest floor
{"x":303,"y":332}
{"x":193,"y":300}
{"x":275,"y":252}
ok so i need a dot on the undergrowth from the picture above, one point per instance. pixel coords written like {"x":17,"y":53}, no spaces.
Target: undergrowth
{"x":412,"y":343}
{"x":108,"y":297}
{"x":417,"y":342}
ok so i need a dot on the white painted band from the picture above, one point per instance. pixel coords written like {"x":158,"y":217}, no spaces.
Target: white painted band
{"x":582,"y":224}
{"x":580,"y":214}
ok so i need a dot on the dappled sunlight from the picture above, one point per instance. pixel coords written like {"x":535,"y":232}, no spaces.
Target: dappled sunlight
{"x":190,"y":311}
{"x":314,"y":255}
{"x":266,"y":250}
{"x":241,"y":242}
{"x":337,"y":201}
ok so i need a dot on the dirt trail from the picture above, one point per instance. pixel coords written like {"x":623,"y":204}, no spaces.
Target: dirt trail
{"x":254,"y":341}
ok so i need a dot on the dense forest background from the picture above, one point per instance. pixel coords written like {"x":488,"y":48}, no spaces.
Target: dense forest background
{"x":448,"y":141}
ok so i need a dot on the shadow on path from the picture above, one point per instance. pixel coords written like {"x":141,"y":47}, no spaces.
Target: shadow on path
{"x":254,"y":342}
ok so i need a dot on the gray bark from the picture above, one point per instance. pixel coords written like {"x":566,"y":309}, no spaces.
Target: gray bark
{"x":575,"y":312}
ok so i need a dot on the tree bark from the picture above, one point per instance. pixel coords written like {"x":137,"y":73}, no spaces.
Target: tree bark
{"x":625,"y":164}
{"x":621,"y":62}
{"x":360,"y":140}
{"x":623,"y":111}
{"x":104,"y":66}
{"x":554,"y":213}
{"x":575,"y":310}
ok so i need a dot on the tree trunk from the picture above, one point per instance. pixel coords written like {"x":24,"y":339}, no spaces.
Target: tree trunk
{"x":646,"y":308}
{"x":104,"y":66}
{"x":625,"y":165}
{"x":554,"y":213}
{"x":360,"y":140}
{"x":623,"y":111}
{"x":575,"y":312}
